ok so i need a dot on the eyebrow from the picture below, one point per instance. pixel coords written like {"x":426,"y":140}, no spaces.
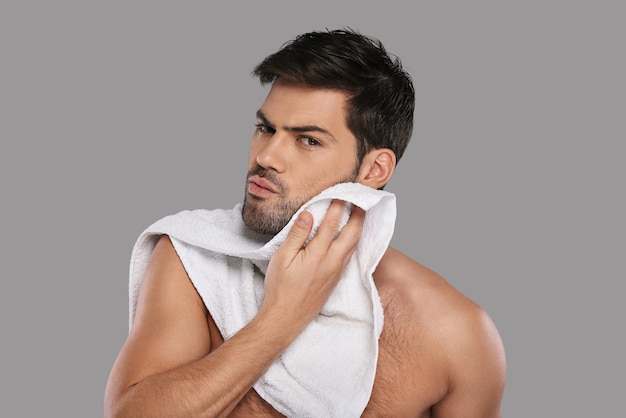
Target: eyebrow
{"x":298,"y":129}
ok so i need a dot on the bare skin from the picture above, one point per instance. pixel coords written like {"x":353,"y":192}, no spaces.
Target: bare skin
{"x":440,"y":354}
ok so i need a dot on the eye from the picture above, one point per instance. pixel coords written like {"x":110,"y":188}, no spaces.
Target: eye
{"x":309,"y":142}
{"x":264,"y":129}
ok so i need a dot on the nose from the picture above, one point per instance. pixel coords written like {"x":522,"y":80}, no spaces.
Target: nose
{"x":272,"y":154}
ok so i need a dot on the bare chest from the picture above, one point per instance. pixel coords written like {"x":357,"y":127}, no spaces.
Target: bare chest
{"x":410,"y":378}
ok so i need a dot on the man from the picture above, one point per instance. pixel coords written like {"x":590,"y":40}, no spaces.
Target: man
{"x":340,"y":109}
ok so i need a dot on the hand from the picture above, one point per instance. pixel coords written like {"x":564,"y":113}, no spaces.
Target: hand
{"x":299,"y":280}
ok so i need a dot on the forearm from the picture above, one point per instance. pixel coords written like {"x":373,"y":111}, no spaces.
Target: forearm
{"x":213,"y":385}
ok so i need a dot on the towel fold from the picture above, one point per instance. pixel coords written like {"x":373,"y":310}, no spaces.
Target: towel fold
{"x":329,"y":370}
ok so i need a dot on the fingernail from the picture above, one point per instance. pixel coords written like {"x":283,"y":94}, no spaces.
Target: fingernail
{"x":303,"y":219}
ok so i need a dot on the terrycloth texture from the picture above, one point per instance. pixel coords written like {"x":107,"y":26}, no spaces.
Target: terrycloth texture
{"x":328,"y":371}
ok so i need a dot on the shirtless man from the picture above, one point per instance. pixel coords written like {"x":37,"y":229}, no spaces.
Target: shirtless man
{"x":339,"y":109}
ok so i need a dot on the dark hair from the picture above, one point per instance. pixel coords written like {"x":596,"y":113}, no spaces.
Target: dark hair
{"x":380,"y":110}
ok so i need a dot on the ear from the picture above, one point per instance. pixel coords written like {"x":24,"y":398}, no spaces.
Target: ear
{"x":377,"y":168}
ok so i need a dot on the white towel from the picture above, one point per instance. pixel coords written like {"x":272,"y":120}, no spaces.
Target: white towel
{"x":329,"y":370}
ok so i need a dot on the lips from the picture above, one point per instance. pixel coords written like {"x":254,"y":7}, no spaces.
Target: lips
{"x":260,"y":186}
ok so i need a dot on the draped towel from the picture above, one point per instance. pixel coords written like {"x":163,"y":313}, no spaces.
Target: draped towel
{"x":329,"y":370}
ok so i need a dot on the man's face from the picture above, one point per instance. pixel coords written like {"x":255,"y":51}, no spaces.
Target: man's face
{"x":300,"y":147}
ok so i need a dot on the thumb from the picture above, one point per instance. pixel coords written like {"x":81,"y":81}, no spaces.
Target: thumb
{"x":299,"y":232}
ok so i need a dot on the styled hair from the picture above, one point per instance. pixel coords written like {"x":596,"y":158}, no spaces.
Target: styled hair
{"x":382,"y":98}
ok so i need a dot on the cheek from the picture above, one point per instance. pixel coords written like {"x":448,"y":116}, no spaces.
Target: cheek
{"x":312,"y":182}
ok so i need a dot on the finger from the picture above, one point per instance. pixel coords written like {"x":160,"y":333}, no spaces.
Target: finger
{"x":351,"y":233}
{"x":328,"y":228}
{"x":298,"y":234}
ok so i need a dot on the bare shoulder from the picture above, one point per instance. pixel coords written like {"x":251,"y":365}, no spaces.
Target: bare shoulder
{"x":449,"y":352}
{"x":412,"y":292}
{"x":169,"y":328}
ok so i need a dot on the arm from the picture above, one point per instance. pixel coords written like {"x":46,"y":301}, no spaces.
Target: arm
{"x":477,"y":367}
{"x":167,"y":368}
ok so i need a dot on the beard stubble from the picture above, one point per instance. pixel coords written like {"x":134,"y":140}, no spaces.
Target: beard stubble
{"x":270,"y":219}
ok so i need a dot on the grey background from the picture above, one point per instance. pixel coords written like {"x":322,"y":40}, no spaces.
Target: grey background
{"x":115,"y":114}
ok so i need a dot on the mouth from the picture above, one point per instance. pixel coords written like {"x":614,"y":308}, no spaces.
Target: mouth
{"x":260,"y":187}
